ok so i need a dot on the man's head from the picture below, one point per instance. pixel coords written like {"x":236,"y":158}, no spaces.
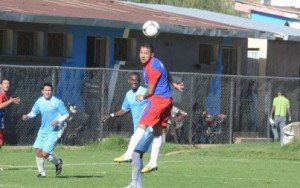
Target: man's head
{"x":134,"y":81}
{"x":5,"y":85}
{"x":47,"y":89}
{"x":146,"y":53}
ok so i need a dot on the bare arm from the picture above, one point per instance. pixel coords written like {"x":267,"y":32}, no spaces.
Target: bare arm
{"x":119,"y":113}
{"x":178,"y":86}
{"x":15,"y":100}
{"x":272,"y":111}
{"x":290,"y":115}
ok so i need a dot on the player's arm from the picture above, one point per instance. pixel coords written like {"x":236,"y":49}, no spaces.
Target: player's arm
{"x":272,"y":111}
{"x":28,"y":116}
{"x":15,"y":100}
{"x":119,"y":113}
{"x":179,"y":86}
{"x":64,"y":114}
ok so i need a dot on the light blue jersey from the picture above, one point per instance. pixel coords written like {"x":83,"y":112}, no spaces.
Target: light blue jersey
{"x":50,"y":110}
{"x":137,"y":107}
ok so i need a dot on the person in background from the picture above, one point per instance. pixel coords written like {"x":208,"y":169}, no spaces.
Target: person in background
{"x":280,"y":108}
{"x":4,"y":103}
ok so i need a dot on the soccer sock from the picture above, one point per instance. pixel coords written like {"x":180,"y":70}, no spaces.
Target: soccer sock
{"x":157,"y":141}
{"x":136,"y":137}
{"x":53,"y":159}
{"x":40,"y":165}
{"x":137,"y":166}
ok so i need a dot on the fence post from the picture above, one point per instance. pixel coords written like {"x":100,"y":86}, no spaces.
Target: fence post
{"x":53,"y":79}
{"x":191,"y":116}
{"x":231,"y":109}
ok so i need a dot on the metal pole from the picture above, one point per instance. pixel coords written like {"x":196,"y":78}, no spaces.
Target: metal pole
{"x":231,"y":109}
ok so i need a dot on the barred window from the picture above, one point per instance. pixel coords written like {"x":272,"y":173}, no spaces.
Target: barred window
{"x":55,"y":44}
{"x":25,"y":43}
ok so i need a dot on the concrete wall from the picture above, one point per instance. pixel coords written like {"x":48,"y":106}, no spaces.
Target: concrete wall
{"x":180,"y":53}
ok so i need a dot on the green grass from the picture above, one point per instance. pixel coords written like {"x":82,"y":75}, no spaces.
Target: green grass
{"x":224,"y":166}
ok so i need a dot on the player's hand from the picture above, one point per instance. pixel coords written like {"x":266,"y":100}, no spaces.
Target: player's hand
{"x":178,"y":86}
{"x":139,"y":97}
{"x":15,"y":100}
{"x":54,"y":123}
{"x":24,"y":117}
{"x":105,"y":118}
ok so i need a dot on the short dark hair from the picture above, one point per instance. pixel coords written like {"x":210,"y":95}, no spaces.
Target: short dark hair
{"x":149,"y":46}
{"x":3,"y":80}
{"x":135,"y":74}
{"x":47,"y":84}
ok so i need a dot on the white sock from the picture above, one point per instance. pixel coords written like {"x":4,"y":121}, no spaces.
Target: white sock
{"x":40,"y":165}
{"x":135,"y":139}
{"x":157,"y":141}
{"x":53,"y":159}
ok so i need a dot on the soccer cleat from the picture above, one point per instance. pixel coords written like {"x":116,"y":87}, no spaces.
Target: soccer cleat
{"x":129,"y":186}
{"x":122,"y":159}
{"x":40,"y":176}
{"x":148,"y":168}
{"x":58,"y":167}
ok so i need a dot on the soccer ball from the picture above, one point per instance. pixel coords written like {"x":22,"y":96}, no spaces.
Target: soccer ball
{"x":151,"y":28}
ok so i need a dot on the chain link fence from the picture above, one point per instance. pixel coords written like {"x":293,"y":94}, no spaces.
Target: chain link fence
{"x":246,"y":102}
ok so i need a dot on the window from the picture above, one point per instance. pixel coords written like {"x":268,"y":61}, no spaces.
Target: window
{"x":125,"y":49}
{"x":25,"y":43}
{"x":208,"y":54}
{"x":55,"y":45}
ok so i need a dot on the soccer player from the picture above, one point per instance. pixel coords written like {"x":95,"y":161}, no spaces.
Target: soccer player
{"x":4,"y":103}
{"x":53,"y":112}
{"x":159,"y":106}
{"x":130,"y":104}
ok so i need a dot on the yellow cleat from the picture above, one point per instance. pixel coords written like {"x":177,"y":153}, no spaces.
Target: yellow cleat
{"x":147,"y":169}
{"x":122,"y":159}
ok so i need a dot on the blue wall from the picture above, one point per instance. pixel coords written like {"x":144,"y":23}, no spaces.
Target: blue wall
{"x":269,"y":18}
{"x":71,"y":83}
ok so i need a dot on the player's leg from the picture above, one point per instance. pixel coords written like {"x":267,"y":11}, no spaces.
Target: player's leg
{"x":40,"y":164}
{"x":156,"y":144}
{"x":137,"y":165}
{"x":1,"y":138}
{"x":135,"y":138}
{"x":163,"y":108}
{"x":48,"y":149}
{"x":38,"y":144}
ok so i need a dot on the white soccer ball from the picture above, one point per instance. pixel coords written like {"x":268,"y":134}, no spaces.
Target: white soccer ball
{"x":151,"y":28}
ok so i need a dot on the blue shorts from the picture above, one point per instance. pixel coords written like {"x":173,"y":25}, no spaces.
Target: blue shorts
{"x":146,"y":141}
{"x":46,"y":141}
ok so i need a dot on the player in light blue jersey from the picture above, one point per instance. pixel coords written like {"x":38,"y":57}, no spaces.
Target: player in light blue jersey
{"x":130,"y":104}
{"x":54,"y":113}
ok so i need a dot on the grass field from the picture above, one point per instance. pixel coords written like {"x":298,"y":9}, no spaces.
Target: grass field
{"x":224,"y":166}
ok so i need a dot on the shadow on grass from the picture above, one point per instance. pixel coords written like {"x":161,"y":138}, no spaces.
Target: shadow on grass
{"x":79,"y":176}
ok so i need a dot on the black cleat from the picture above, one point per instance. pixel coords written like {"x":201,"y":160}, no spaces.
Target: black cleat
{"x":58,"y":167}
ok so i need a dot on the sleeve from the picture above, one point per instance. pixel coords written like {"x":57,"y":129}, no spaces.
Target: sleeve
{"x":154,"y":75}
{"x":35,"y":109}
{"x":62,"y":108}
{"x":125,"y":104}
{"x":1,"y":98}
